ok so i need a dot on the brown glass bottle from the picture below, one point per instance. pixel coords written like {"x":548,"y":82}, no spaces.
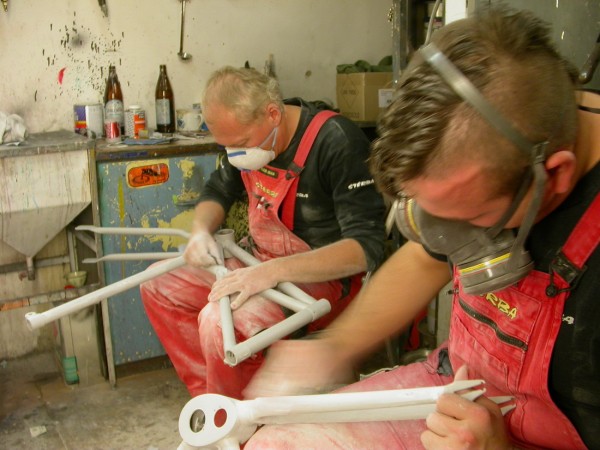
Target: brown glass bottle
{"x":113,"y":99}
{"x":165,"y":107}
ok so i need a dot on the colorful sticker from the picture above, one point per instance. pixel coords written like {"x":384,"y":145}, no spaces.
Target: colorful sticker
{"x":147,"y":175}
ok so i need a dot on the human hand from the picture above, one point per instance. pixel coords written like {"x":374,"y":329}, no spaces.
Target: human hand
{"x":202,"y":250}
{"x":459,"y":423}
{"x":299,"y":367}
{"x":246,"y":281}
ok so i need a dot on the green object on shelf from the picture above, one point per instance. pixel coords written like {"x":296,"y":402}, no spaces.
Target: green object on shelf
{"x":70,"y":370}
{"x":360,"y":66}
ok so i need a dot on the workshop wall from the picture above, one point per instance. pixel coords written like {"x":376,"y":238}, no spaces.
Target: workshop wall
{"x":56,"y":54}
{"x":575,"y":27}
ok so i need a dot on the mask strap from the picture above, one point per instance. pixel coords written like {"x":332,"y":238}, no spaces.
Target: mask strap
{"x":465,"y":89}
{"x":539,"y":180}
{"x":268,"y":138}
{"x":535,"y":152}
{"x":276,"y":130}
{"x":493,"y":231}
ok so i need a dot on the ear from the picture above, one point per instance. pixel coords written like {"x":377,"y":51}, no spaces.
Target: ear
{"x":274,"y":114}
{"x":561,"y":170}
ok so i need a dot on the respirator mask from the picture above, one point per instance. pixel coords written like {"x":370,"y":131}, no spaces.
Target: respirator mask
{"x":253,"y":158}
{"x":487,"y":259}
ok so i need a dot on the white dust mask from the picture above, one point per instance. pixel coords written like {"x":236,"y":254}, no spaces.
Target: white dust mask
{"x":252,"y":158}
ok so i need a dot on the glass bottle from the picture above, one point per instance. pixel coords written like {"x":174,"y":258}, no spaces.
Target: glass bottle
{"x":165,"y":108}
{"x":113,"y":99}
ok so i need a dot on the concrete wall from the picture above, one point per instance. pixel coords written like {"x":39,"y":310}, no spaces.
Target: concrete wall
{"x":308,"y":38}
{"x":575,"y":26}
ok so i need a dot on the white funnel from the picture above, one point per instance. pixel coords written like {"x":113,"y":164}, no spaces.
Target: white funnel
{"x":40,"y":194}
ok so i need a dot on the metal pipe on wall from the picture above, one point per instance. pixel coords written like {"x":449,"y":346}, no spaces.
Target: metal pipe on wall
{"x":400,"y":37}
{"x":44,"y":262}
{"x":86,"y":240}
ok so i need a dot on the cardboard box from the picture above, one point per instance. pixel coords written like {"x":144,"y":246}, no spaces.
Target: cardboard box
{"x":358,"y":94}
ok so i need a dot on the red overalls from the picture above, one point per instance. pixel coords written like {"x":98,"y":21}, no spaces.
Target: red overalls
{"x":189,"y":327}
{"x":270,"y":190}
{"x":505,"y":338}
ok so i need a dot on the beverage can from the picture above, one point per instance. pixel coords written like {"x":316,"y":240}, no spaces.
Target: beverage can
{"x":114,"y":108}
{"x":89,"y":119}
{"x":135,"y":120}
{"x":112,"y":129}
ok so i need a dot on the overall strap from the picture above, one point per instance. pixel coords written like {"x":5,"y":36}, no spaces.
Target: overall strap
{"x":569,"y":261}
{"x":297,"y":165}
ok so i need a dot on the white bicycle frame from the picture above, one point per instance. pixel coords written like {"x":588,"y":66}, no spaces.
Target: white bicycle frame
{"x":306,"y":308}
{"x":211,"y":420}
{"x":199,"y":423}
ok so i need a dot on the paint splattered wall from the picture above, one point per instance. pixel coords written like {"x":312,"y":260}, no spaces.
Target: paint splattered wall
{"x":54,"y":54}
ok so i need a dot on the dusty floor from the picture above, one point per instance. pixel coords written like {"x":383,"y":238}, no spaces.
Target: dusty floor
{"x":38,"y":410}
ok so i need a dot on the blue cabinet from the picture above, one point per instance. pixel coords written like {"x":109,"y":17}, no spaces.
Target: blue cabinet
{"x":155,"y":187}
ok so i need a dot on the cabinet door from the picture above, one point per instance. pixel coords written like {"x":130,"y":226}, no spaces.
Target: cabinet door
{"x":150,"y":193}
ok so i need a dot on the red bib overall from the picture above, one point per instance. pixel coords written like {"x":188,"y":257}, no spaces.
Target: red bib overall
{"x":270,"y":189}
{"x":189,"y":327}
{"x":507,"y":339}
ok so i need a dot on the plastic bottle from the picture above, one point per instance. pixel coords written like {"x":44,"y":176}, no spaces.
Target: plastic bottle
{"x":165,"y":107}
{"x":113,"y":99}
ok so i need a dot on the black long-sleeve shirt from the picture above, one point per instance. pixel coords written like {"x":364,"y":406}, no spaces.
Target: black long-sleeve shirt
{"x":336,"y":196}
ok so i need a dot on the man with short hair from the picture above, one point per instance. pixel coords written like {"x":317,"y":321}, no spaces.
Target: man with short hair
{"x":314,"y":217}
{"x":493,"y":156}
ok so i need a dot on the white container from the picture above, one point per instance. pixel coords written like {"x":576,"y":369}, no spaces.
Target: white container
{"x":189,"y":120}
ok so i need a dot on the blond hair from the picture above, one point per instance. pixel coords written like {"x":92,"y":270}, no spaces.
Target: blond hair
{"x":244,"y":91}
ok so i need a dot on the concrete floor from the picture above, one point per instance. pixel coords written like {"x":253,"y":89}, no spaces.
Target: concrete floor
{"x":38,"y":410}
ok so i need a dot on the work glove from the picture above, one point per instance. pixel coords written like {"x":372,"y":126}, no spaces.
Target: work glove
{"x":202,"y":250}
